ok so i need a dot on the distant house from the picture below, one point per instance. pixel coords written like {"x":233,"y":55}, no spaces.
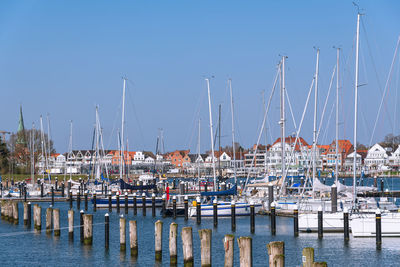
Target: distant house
{"x":345,"y":148}
{"x":179,"y":158}
{"x":377,"y":156}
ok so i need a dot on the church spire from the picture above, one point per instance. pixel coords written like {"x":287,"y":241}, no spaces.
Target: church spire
{"x":21,"y":129}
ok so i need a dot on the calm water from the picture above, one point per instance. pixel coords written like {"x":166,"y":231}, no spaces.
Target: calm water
{"x":21,"y":247}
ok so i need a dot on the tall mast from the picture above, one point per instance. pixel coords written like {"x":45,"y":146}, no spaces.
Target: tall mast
{"x":337,"y":117}
{"x":97,"y":159}
{"x":211,"y":133}
{"x":233,"y":131}
{"x":198,"y":153}
{"x":265,"y":132}
{"x":355,"y":111}
{"x":219,"y":140}
{"x":33,"y":153}
{"x":48,"y":134}
{"x":122,"y":165}
{"x":282,"y":121}
{"x":43,"y":142}
{"x":70,"y":149}
{"x":314,"y":148}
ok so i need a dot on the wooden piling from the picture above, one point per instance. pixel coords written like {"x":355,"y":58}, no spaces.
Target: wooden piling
{"x":276,"y":254}
{"x":270,"y":195}
{"x":173,"y":243}
{"x":186,"y":206}
{"x":106,"y":231}
{"x":205,"y":243}
{"x":109,"y":203}
{"x":71,"y":224}
{"x":62,"y":189}
{"x":25,"y":213}
{"x":308,"y":257}
{"x":70,"y":199}
{"x":320,"y":224}
{"x":118,"y":204}
{"x":144,"y":204}
{"x":37,"y":217}
{"x":81,"y":222}
{"x":158,"y":239}
{"x":198,"y":210}
{"x":252,"y":217}
{"x":334,"y":198}
{"x":273,"y":219}
{"x":94,"y":201}
{"x":133,"y":240}
{"x":56,"y":222}
{"x":52,"y":196}
{"x":296,"y":221}
{"x":215,"y":212}
{"x":187,"y":244}
{"x":153,"y":205}
{"x":229,"y":248}
{"x":134,"y":204}
{"x":163,"y":208}
{"x":378,"y":226}
{"x":233,"y":216}
{"x":122,"y":233}
{"x":126,"y":203}
{"x":15,"y":212}
{"x":86,"y":200}
{"x":88,"y":229}
{"x":174,"y":206}
{"x":245,"y":251}
{"x":49,"y":216}
{"x":78,"y":198}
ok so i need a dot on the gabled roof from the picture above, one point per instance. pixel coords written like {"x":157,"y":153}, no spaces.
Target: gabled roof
{"x":291,"y":139}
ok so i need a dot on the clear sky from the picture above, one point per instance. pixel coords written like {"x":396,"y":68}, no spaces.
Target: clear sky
{"x":63,"y":58}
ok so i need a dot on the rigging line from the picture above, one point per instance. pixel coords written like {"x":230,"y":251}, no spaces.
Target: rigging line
{"x":396,"y":97}
{"x":325,"y":104}
{"x":278,"y":72}
{"x":110,"y":138}
{"x":389,"y":78}
{"x":139,"y":125}
{"x":195,"y":117}
{"x":326,"y":130}
{"x":291,"y":111}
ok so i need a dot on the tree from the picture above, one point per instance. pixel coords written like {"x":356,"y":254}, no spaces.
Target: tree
{"x":4,"y":157}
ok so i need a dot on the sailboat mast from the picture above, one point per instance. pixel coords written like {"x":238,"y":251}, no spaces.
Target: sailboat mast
{"x":70,"y":149}
{"x":314,"y":148}
{"x":198,"y":153}
{"x":233,"y":131}
{"x":355,"y":111}
{"x":219,"y":140}
{"x":282,"y":122}
{"x":121,"y":168}
{"x":33,"y":153}
{"x":337,"y":117}
{"x":211,"y":133}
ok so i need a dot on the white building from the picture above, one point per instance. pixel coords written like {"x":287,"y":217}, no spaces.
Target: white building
{"x":377,"y":156}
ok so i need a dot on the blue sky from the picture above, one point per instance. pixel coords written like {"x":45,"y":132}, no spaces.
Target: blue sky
{"x":63,"y":58}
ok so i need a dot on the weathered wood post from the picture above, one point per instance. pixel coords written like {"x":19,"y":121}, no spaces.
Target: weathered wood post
{"x":233,"y":216}
{"x":174,"y":206}
{"x":308,"y":257}
{"x":205,"y":243}
{"x":70,"y":199}
{"x":273,"y":219}
{"x":296,"y":221}
{"x":52,"y":196}
{"x":81,"y":225}
{"x":270,"y":195}
{"x":37,"y":217}
{"x":334,"y":198}
{"x":186,"y":206}
{"x":78,"y":198}
{"x":158,"y":239}
{"x":122,"y":233}
{"x":56,"y":222}
{"x":41,"y":190}
{"x":228,"y":246}
{"x":88,"y":229}
{"x":153,"y":205}
{"x":346,"y":224}
{"x":133,"y":241}
{"x":198,"y":210}
{"x":62,"y":189}
{"x":71,"y":224}
{"x":25,"y":194}
{"x":378,"y":229}
{"x":27,"y":215}
{"x":163,"y":208}
{"x":49,"y":216}
{"x":107,"y":231}
{"x":173,"y":243}
{"x":15,"y":212}
{"x":276,"y":253}
{"x":215,"y":212}
{"x":109,"y":203}
{"x":245,"y":251}
{"x":86,"y":200}
{"x":252,"y":217}
{"x":134,"y":204}
{"x":94,"y":201}
{"x":118,"y":206}
{"x":187,"y":244}
{"x":126,"y":202}
{"x":144,"y":204}
{"x":320,"y":224}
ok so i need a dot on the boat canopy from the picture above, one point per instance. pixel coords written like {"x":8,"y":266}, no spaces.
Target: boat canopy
{"x":125,"y":185}
{"x":231,"y":191}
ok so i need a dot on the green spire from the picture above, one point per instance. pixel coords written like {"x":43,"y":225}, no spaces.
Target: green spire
{"x":21,"y":129}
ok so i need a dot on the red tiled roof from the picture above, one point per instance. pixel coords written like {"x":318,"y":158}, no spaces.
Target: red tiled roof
{"x":291,"y":140}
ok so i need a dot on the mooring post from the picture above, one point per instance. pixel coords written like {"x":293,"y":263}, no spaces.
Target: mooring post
{"x":94,"y":201}
{"x":144,"y":203}
{"x":270,"y":195}
{"x":88,"y":229}
{"x":133,"y":241}
{"x":109,"y":203}
{"x":153,"y":205}
{"x":215,"y":212}
{"x":49,"y":215}
{"x":118,"y":206}
{"x":346,"y":224}
{"x":228,"y":246}
{"x":107,"y":230}
{"x":25,"y":194}
{"x":173,"y":243}
{"x":126,"y":202}
{"x":62,"y":189}
{"x":198,"y":210}
{"x":41,"y":190}
{"x":187,"y":244}
{"x":308,"y":257}
{"x":174,"y":207}
{"x":334,"y":198}
{"x":205,"y":244}
{"x":25,"y":213}
{"x":71,"y":224}
{"x":81,"y":225}
{"x":252,"y":217}
{"x":296,"y":221}
{"x":78,"y":198}
{"x":186,"y":206}
{"x":320,"y":224}
{"x":158,"y":240}
{"x":273,"y":219}
{"x":245,"y":251}
{"x":86,"y":200}
{"x":52,"y":196}
{"x":276,"y":253}
{"x":15,"y":212}
{"x":378,"y":229}
{"x":134,"y":204}
{"x":122,"y":233}
{"x":163,"y":208}
{"x":70,"y":199}
{"x":233,"y":216}
{"x":37,"y":217}
{"x":56,"y":222}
